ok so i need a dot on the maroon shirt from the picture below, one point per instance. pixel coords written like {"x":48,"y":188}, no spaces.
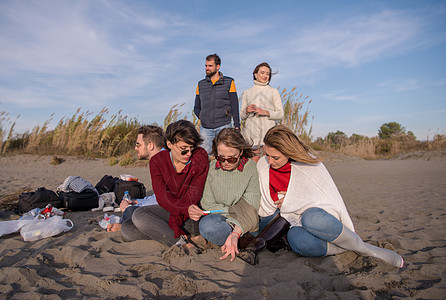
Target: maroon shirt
{"x":175,"y":191}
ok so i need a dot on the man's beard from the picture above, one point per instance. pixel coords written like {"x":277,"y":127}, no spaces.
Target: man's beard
{"x":143,"y":157}
{"x":210,"y":74}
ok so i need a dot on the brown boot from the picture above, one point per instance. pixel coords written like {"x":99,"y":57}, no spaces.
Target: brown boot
{"x":274,"y":231}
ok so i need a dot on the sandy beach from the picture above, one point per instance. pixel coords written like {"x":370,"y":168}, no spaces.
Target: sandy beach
{"x":398,"y":204}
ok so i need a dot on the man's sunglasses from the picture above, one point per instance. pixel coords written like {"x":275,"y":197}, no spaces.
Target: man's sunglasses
{"x":231,"y":160}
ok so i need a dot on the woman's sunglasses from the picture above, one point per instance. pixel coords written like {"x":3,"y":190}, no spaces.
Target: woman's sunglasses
{"x":231,"y":160}
{"x":185,"y":151}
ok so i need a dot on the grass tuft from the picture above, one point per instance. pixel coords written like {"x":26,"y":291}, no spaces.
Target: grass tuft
{"x":296,"y":112}
{"x":127,"y":160}
{"x":113,"y":161}
{"x":56,"y":160}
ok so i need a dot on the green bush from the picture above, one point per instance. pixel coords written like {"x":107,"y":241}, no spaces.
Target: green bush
{"x":391,"y":129}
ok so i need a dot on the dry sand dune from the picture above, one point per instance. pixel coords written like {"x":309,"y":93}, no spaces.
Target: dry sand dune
{"x":399,"y":204}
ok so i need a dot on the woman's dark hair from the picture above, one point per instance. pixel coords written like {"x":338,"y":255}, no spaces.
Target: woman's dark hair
{"x":185,"y":131}
{"x":232,"y":137}
{"x":263,"y":64}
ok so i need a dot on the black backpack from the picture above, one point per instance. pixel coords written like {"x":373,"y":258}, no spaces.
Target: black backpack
{"x":106,"y":184}
{"x":38,"y":199}
{"x":136,"y":190}
{"x":85,"y":200}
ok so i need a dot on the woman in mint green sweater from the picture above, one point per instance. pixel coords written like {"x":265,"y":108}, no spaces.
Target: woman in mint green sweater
{"x":232,"y":188}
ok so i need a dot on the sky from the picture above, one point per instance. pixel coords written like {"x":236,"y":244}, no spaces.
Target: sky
{"x":362,"y":63}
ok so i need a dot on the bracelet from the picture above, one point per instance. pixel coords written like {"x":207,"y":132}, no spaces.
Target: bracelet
{"x":238,"y":235}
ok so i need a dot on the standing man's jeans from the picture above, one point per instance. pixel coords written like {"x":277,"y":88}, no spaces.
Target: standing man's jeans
{"x":208,"y":136}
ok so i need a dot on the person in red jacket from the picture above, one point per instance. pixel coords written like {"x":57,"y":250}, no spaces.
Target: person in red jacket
{"x":178,"y":176}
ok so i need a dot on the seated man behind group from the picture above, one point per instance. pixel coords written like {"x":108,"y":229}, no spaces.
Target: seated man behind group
{"x":149,"y":142}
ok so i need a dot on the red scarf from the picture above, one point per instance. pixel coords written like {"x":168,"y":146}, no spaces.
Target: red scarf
{"x":279,"y":180}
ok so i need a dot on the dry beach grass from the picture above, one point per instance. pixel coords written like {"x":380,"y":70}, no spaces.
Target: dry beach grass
{"x":397,"y":203}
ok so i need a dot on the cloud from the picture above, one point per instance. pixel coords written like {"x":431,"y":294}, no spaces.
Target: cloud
{"x":440,"y":82}
{"x":309,"y":50}
{"x":63,"y":54}
{"x":387,"y":117}
{"x":339,"y":96}
{"x":146,"y":58}
{"x":358,"y":40}
{"x":401,"y":85}
{"x":74,"y":41}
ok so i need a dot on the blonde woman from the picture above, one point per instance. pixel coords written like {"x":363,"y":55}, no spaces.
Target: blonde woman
{"x":296,"y":185}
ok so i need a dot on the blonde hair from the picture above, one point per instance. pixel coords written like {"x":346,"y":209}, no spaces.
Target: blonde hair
{"x":289,"y":144}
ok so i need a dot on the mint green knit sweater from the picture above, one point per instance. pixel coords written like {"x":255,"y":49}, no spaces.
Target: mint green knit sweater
{"x":224,"y":189}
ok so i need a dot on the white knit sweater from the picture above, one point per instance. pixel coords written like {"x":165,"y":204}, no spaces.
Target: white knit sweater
{"x":267,"y":98}
{"x":310,"y":186}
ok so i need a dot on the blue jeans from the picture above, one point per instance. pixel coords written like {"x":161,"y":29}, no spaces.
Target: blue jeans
{"x":208,"y":135}
{"x":215,"y":229}
{"x":151,"y":222}
{"x":128,"y":212}
{"x":318,"y":228}
{"x":265,"y":220}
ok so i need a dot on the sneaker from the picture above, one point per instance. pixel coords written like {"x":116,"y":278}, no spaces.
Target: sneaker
{"x":108,"y":208}
{"x":181,"y":241}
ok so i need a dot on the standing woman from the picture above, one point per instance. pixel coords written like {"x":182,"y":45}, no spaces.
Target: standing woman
{"x":294,"y":183}
{"x":178,"y":177}
{"x":232,"y":187}
{"x":261,"y":107}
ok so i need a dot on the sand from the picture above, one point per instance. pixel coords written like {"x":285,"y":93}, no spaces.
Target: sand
{"x":399,"y":204}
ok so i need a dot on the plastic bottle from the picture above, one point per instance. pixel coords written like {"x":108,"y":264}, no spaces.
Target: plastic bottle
{"x":127,"y":197}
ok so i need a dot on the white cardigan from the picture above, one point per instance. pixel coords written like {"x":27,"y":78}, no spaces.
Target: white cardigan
{"x":310,"y":186}
{"x":267,"y":98}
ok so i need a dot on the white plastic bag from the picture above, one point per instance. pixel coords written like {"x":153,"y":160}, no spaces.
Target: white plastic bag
{"x":109,"y":220}
{"x":8,"y":227}
{"x":43,"y":228}
{"x":127,"y":177}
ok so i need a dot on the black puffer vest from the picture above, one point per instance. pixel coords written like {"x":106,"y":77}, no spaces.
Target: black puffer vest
{"x":215,"y":103}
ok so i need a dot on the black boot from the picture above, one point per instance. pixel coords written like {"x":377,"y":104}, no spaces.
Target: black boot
{"x":274,"y":231}
{"x":244,"y":240}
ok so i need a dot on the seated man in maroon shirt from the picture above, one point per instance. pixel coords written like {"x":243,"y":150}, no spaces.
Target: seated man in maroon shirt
{"x":149,"y":142}
{"x":178,"y":177}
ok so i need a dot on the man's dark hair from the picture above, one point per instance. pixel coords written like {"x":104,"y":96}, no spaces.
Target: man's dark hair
{"x":185,"y":131}
{"x":152,"y":134}
{"x":215,"y":58}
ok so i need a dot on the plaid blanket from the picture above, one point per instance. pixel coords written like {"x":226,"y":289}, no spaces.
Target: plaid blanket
{"x":75,"y":184}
